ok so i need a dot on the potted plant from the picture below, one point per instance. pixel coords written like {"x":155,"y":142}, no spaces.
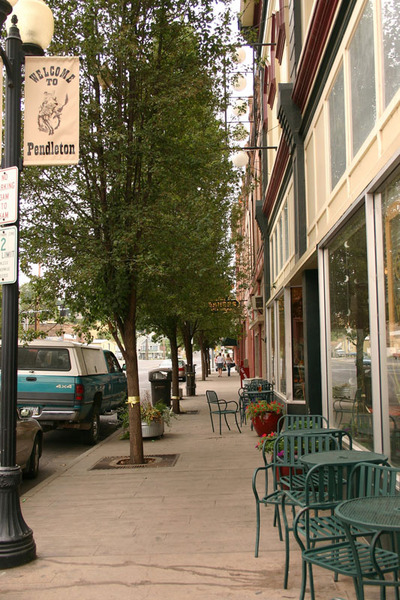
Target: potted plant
{"x":153,"y":419}
{"x":264,"y":415}
{"x":266,"y":442}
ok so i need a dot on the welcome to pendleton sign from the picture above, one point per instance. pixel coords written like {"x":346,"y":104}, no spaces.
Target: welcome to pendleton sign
{"x":51,"y":128}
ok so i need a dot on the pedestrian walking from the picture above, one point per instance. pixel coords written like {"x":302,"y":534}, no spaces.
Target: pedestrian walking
{"x":219,"y":361}
{"x":229,"y":364}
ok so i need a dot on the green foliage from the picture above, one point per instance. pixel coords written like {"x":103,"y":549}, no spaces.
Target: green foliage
{"x":258,"y":409}
{"x":149,"y":202}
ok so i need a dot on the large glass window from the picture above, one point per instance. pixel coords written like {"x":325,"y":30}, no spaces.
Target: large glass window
{"x":272,"y":344}
{"x":391,"y":47}
{"x":280,"y":241}
{"x":337,"y":129}
{"x":297,"y":343}
{"x":350,"y":361}
{"x":391,"y":237}
{"x":282,"y":349}
{"x":362,"y":67}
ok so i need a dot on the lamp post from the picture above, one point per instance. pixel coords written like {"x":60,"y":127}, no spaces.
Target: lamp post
{"x":17,"y":545}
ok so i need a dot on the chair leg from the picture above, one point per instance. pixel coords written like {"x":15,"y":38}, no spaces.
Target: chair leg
{"x":257,"y":529}
{"x":303,"y":579}
{"x":237,"y":425}
{"x":212,"y":422}
{"x":226,"y":422}
{"x":220,"y":430}
{"x":311,"y":578}
{"x":287,"y":548}
{"x":277,"y":521}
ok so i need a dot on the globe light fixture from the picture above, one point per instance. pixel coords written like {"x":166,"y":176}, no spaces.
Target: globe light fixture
{"x":240,"y":55}
{"x":17,"y":545}
{"x":240,"y":108}
{"x":240,"y":159}
{"x":239,"y":83}
{"x":35,"y":24}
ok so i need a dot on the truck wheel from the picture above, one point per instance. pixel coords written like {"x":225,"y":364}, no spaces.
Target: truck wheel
{"x":92,"y":435}
{"x":32,"y":468}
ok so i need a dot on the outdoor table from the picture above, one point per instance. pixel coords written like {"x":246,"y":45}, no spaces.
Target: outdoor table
{"x":380,"y":513}
{"x":345,"y":458}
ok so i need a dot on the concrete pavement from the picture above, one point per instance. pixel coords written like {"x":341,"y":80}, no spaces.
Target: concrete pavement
{"x":165,"y":532}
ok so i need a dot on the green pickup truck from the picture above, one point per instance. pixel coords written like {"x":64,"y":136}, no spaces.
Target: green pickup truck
{"x":69,"y":385}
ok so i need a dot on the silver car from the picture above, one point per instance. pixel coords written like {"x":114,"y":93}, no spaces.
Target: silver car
{"x":29,"y":444}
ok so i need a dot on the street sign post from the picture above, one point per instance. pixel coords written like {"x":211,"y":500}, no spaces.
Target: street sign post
{"x":8,"y":255}
{"x":8,"y":195}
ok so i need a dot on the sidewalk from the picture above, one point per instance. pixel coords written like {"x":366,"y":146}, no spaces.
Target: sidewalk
{"x":173,"y":532}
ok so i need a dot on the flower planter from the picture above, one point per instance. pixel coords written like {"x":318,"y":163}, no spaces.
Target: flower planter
{"x":155,"y":429}
{"x":266,"y":423}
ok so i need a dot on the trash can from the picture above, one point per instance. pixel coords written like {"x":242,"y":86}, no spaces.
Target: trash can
{"x":191,"y":381}
{"x":160,"y":380}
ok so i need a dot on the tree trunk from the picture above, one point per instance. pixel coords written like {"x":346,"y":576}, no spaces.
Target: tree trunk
{"x":175,"y":375}
{"x":128,"y":335}
{"x":203,"y":356}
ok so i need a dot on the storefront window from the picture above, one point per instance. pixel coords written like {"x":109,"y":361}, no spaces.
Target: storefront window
{"x":297,"y":343}
{"x":282,"y":355}
{"x":350,"y":361}
{"x":337,"y":129}
{"x":272,"y":345}
{"x":391,"y":237}
{"x":362,"y":65}
{"x":391,"y":47}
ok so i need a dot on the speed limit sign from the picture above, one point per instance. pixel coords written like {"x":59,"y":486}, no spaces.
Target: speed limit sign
{"x":8,"y":255}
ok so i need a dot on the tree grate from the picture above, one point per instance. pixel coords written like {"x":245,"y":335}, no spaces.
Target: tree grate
{"x":122,"y":462}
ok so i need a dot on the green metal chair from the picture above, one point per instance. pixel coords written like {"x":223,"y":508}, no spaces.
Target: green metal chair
{"x":285,"y":472}
{"x":365,"y":564}
{"x":301,"y":422}
{"x":222,"y":408}
{"x":323,"y":488}
{"x":243,"y":403}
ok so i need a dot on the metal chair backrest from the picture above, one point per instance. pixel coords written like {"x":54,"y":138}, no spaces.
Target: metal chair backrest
{"x":254,"y":384}
{"x":301,"y":422}
{"x":289,"y":448}
{"x":325,"y":484}
{"x":368,"y":479}
{"x":212,"y":397}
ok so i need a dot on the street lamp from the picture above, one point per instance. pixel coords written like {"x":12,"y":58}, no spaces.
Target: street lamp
{"x":17,"y":545}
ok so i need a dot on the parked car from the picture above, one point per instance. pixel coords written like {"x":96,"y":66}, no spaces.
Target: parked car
{"x":167,"y":364}
{"x":29,"y":443}
{"x":67,"y":385}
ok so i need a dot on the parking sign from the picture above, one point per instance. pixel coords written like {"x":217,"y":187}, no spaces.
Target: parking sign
{"x":8,"y":255}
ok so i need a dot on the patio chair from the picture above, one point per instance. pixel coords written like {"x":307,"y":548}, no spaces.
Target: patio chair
{"x":286,"y":472}
{"x":301,"y":422}
{"x":365,"y":564}
{"x":243,"y":403}
{"x":222,"y":408}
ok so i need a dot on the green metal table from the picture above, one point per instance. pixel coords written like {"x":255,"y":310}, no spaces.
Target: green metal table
{"x":348,"y":458}
{"x":378,"y":513}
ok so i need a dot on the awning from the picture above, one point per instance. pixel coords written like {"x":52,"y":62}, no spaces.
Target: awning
{"x":229,"y":342}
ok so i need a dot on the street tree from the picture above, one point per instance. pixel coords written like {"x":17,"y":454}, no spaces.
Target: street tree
{"x":149,"y":136}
